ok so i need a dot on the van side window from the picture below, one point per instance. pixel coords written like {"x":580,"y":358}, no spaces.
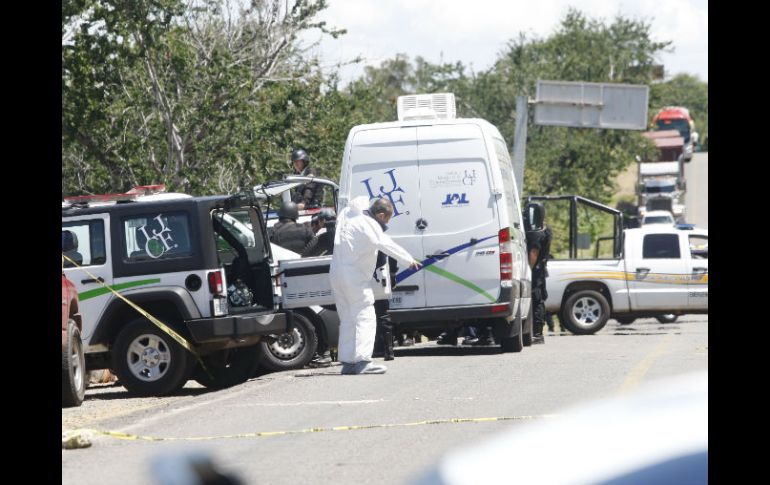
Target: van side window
{"x":661,"y":246}
{"x":89,"y":236}
{"x":506,"y":168}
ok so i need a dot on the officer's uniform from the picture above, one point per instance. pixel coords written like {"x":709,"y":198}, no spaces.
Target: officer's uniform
{"x":309,"y":193}
{"x":540,"y":240}
{"x":290,"y":235}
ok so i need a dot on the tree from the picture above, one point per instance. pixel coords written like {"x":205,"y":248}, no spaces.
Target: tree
{"x":178,"y":97}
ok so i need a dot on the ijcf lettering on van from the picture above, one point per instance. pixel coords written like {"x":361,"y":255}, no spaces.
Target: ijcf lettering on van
{"x":455,"y":200}
{"x":388,"y":193}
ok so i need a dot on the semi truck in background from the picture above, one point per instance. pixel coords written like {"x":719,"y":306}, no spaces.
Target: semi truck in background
{"x":661,"y":187}
{"x":677,"y":118}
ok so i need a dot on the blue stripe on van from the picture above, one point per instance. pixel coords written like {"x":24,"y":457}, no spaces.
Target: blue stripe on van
{"x":427,"y":262}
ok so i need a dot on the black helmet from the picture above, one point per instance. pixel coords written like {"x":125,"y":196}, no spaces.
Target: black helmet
{"x":327,"y":214}
{"x":300,"y":154}
{"x":288,"y":210}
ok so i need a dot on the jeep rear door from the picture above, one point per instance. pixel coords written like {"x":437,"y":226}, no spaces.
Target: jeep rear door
{"x":698,"y":294}
{"x":94,"y":251}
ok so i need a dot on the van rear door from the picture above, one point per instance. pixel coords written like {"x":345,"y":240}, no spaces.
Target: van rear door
{"x":459,"y":209}
{"x":384,"y":163}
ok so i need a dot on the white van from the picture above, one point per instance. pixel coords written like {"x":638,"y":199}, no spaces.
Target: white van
{"x":456,"y":209}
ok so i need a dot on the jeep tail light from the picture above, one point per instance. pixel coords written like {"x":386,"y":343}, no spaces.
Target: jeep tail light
{"x":215,"y":283}
{"x":506,"y":254}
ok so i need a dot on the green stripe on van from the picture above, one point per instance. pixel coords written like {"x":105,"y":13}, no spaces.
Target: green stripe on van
{"x":457,"y":279}
{"x":101,"y":291}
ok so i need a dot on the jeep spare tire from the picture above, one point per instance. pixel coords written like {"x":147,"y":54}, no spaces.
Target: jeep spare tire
{"x":148,"y":361}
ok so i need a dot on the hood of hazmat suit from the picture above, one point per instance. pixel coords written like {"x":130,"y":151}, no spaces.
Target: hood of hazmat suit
{"x":357,"y":240}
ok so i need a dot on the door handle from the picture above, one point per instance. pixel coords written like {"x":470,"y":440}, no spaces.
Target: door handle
{"x":439,"y":255}
{"x":642,"y":272}
{"x":91,"y":280}
{"x":700,"y":270}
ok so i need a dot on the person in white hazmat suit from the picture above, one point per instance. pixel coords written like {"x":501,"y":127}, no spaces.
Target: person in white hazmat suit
{"x":358,"y":238}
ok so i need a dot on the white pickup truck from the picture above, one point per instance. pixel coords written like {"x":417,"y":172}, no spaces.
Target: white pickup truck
{"x":597,"y":270}
{"x":660,"y":270}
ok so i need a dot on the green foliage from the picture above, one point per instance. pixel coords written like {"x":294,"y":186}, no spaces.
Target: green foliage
{"x":210,"y":96}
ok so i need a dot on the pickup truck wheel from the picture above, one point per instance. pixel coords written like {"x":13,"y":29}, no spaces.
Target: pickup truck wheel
{"x":625,"y":320}
{"x":585,"y":312}
{"x":290,"y":350}
{"x":667,"y":318}
{"x":73,"y":368}
{"x":148,"y":361}
{"x":228,"y":367}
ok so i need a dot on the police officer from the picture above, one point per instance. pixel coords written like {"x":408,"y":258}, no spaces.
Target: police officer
{"x":538,"y":246}
{"x":287,"y":233}
{"x":383,"y":341}
{"x":306,"y":195}
{"x":323,"y":225}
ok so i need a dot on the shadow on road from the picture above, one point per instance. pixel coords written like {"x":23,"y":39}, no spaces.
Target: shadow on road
{"x":445,"y":350}
{"x":120,"y":392}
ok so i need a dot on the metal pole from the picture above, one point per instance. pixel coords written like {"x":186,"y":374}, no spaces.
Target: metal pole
{"x":520,"y":142}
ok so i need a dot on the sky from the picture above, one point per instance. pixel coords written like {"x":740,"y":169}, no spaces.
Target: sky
{"x":475,"y":31}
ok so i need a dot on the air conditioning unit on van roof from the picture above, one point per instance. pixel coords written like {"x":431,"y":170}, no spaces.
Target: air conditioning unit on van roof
{"x":426,"y":107}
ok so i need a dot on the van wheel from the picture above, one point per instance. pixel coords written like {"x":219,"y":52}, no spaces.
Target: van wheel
{"x":290,"y":350}
{"x":515,"y":343}
{"x":585,"y":312}
{"x":149,"y":362}
{"x":228,"y":367}
{"x":73,"y":368}
{"x":667,"y":318}
{"x":527,"y":329}
{"x":625,"y":320}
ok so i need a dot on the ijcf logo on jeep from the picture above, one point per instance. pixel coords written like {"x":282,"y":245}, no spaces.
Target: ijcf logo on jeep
{"x":160,"y":242}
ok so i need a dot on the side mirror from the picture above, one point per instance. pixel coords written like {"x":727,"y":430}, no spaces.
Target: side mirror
{"x":534,"y":213}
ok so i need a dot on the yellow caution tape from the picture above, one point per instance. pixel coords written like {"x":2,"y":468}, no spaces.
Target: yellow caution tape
{"x":181,"y":340}
{"x":266,"y":434}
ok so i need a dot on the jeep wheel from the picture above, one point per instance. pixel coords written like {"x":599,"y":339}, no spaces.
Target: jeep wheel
{"x":73,"y":368}
{"x":228,"y":367}
{"x":290,"y":350}
{"x":585,"y":312}
{"x":148,"y":361}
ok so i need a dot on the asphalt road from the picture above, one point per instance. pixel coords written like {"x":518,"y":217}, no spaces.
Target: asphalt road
{"x":425,"y":382}
{"x":697,"y":196}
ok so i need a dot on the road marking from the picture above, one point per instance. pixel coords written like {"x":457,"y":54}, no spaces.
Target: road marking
{"x":265,"y":434}
{"x":637,"y":373}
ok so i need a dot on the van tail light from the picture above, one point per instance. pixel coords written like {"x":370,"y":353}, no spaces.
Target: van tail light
{"x":215,"y":283}
{"x":506,"y":254}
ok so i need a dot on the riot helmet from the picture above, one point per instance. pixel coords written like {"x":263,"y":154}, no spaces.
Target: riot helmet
{"x":288,"y":210}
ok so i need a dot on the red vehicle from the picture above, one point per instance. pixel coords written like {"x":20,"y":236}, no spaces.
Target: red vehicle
{"x":73,"y":363}
{"x":678,"y":118}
